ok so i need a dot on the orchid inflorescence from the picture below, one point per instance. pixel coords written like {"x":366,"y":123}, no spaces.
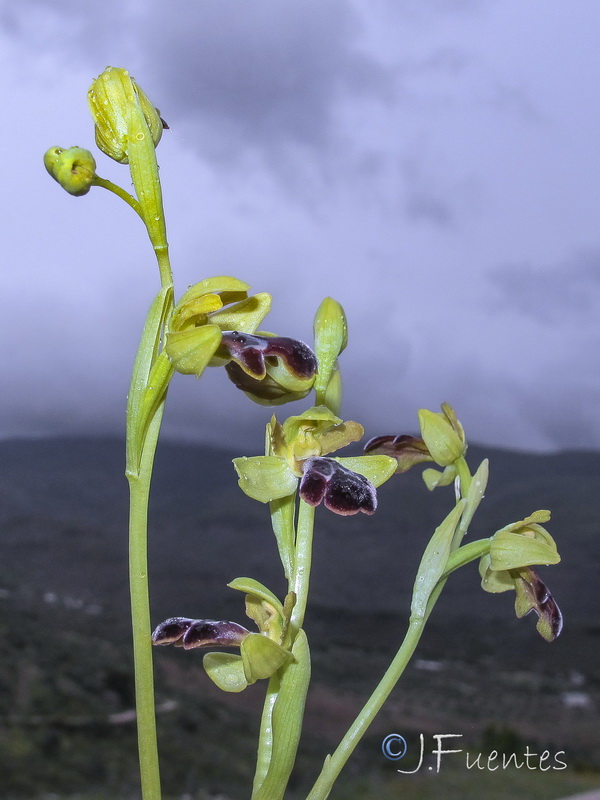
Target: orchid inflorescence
{"x":217,"y":323}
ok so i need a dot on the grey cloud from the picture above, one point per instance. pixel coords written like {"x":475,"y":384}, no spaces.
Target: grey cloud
{"x":261,"y":80}
{"x":551,"y":295}
{"x":265,"y":71}
{"x":262,"y":76}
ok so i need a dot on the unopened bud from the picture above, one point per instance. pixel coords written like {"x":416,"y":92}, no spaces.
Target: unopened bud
{"x":444,"y":440}
{"x":74,"y":168}
{"x":112,"y":98}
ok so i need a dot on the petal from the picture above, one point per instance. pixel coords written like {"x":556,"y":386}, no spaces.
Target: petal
{"x":245,"y":315}
{"x":230,"y":289}
{"x":376,"y":469}
{"x":317,"y":419}
{"x":339,"y":436}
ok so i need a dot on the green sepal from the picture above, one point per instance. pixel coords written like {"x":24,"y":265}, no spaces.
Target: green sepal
{"x":510,"y":550}
{"x":376,"y":469}
{"x":191,"y":350}
{"x":494,"y":581}
{"x":265,"y":478}
{"x":226,"y":670}
{"x":261,"y":657}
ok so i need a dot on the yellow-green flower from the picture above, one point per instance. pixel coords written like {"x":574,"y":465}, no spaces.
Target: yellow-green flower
{"x":208,"y":308}
{"x":296,"y":457}
{"x":261,"y":654}
{"x":513,"y":549}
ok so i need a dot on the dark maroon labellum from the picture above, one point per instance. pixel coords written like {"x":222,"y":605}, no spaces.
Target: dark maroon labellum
{"x":407,"y":450}
{"x":337,"y":487}
{"x":534,"y":595}
{"x":250,"y":351}
{"x":191,"y":633}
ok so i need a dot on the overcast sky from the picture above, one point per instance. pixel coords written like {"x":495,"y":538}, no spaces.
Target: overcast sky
{"x":431,"y":164}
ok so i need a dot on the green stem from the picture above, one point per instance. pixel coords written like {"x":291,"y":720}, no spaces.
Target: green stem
{"x":139,"y":485}
{"x":333,"y":765}
{"x":112,"y":187}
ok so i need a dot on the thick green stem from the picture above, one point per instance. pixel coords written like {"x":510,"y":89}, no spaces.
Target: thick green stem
{"x":333,"y":764}
{"x":139,"y":486}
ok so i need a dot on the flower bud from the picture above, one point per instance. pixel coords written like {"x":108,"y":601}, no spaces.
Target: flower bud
{"x":443,"y":435}
{"x":112,"y":98}
{"x":74,"y":168}
{"x":331,"y":337}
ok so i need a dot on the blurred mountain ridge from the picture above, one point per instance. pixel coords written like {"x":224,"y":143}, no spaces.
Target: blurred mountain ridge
{"x":63,"y":521}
